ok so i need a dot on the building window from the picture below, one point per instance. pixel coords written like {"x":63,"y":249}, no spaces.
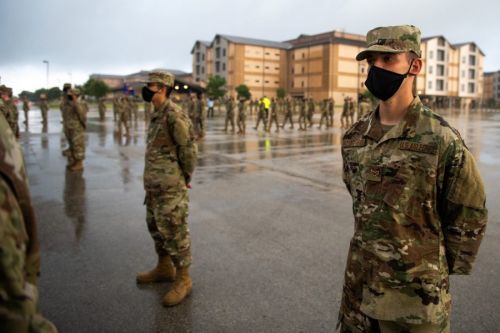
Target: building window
{"x":293,"y":72}
{"x":471,"y":87}
{"x":303,"y":55}
{"x":303,"y":69}
{"x":440,"y":55}
{"x":441,"y":42}
{"x":430,"y":69}
{"x":202,"y":57}
{"x":267,"y":67}
{"x":362,"y":70}
{"x":472,"y":60}
{"x":472,"y":48}
{"x":217,"y":52}
{"x":197,"y":56}
{"x":276,"y":82}
{"x":302,"y":83}
{"x":472,"y":74}
{"x":463,"y":60}
{"x":277,"y":68}
{"x":292,"y":84}
{"x":197,"y":69}
{"x":431,"y":54}
{"x":223,"y":66}
{"x":257,"y":66}
{"x":217,"y":66}
{"x":257,"y":81}
{"x":223,"y":52}
{"x":440,"y":70}
{"x":203,"y":70}
{"x":463,"y":73}
{"x":429,"y":84}
{"x":462,"y":88}
{"x":439,"y":85}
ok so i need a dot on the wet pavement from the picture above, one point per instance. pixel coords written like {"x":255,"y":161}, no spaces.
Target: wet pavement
{"x":270,"y":221}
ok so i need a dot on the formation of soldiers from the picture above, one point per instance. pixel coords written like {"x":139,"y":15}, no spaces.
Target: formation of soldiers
{"x":270,"y":111}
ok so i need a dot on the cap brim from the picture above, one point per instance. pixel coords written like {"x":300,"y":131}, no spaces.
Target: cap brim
{"x":376,"y":48}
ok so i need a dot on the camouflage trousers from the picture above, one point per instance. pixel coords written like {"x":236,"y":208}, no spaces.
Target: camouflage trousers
{"x":166,"y":217}
{"x":76,"y":140}
{"x":18,"y":307}
{"x":324,"y":117}
{"x":288,"y":117}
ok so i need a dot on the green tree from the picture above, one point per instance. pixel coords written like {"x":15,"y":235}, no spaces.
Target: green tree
{"x":31,"y":96}
{"x":281,"y":92}
{"x":243,"y":91}
{"x":96,"y":88}
{"x":216,"y":87}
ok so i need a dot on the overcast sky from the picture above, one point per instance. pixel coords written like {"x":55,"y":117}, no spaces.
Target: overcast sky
{"x":120,"y":36}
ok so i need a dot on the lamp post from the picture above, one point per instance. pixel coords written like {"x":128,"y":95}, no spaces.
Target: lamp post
{"x":46,"y":62}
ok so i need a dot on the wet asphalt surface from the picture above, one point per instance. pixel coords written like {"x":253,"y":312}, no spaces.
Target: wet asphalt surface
{"x":270,"y":222}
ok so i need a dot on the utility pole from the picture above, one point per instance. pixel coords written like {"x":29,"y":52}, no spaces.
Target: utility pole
{"x":46,"y":62}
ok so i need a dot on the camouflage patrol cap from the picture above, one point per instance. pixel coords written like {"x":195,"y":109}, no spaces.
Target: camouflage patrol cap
{"x":74,"y":92}
{"x":393,"y":39}
{"x":163,"y":77}
{"x":3,"y":89}
{"x":67,"y":85}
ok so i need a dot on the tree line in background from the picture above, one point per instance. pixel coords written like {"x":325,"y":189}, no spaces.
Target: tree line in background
{"x":93,"y":87}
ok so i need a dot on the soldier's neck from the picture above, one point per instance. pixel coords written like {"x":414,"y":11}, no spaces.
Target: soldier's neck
{"x":159,"y":102}
{"x":393,"y":110}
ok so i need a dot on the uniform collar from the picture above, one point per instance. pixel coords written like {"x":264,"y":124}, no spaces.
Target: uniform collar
{"x":405,"y":129}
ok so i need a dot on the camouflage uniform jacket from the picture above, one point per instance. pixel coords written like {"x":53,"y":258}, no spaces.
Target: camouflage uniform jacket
{"x":171,"y":150}
{"x":7,"y":111}
{"x":75,"y":116}
{"x":419,"y":215}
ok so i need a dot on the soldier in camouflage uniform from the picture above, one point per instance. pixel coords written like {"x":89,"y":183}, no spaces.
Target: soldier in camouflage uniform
{"x":288,"y":113}
{"x":302,"y":114}
{"x":273,"y":116}
{"x":19,"y":248}
{"x":75,"y":125}
{"x":9,"y":109}
{"x":418,"y":200}
{"x":44,"y":107}
{"x":261,"y":115}
{"x":241,"y":119}
{"x":345,"y":113}
{"x":102,"y":109}
{"x":229,"y":114}
{"x":324,"y":114}
{"x":123,"y":114}
{"x":310,"y":111}
{"x":200,"y":116}
{"x":171,"y":154}
{"x":331,"y":111}
{"x":26,"y":108}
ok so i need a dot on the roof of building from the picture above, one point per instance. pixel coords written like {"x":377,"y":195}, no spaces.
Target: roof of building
{"x":106,"y":76}
{"x":425,"y":39}
{"x":253,"y":41}
{"x":468,"y":43}
{"x":204,"y":42}
{"x":330,"y":37}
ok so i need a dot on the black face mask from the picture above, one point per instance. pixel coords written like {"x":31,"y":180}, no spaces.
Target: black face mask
{"x":382,"y":83}
{"x":147,"y":94}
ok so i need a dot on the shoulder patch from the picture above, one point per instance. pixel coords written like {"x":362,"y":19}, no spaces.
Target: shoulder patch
{"x":418,"y":147}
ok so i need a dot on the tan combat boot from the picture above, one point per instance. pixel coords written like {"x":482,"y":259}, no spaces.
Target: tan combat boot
{"x":164,"y":271}
{"x":77,"y":166}
{"x":181,"y":288}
